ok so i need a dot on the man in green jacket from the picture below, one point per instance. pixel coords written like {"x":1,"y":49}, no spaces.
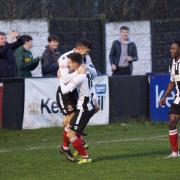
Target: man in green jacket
{"x":24,"y":59}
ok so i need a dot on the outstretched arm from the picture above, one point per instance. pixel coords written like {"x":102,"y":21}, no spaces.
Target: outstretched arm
{"x":166,"y":94}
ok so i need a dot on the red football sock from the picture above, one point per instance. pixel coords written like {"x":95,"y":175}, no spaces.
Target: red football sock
{"x":65,"y":139}
{"x":173,"y":138}
{"x":78,"y":145}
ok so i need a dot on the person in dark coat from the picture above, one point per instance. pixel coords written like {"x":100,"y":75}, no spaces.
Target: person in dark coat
{"x":7,"y":59}
{"x":123,"y":53}
{"x":49,"y":60}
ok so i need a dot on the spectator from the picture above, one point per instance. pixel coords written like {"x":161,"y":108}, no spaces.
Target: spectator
{"x":7,"y":59}
{"x":24,"y":59}
{"x":49,"y":60}
{"x":123,"y":53}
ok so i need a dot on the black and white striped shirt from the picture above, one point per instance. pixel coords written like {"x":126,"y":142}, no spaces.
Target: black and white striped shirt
{"x":83,"y":83}
{"x":175,"y":77}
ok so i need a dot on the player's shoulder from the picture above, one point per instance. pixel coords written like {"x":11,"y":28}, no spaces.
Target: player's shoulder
{"x":88,"y":57}
{"x":88,"y":60}
{"x":64,"y":56}
{"x":66,"y":53}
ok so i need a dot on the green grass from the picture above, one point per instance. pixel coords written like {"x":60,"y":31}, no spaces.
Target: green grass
{"x":118,"y":153}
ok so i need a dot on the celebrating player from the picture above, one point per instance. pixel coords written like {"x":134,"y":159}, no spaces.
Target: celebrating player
{"x":85,"y":108}
{"x":68,"y":102}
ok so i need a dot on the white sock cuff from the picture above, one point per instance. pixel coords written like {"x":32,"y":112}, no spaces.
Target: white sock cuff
{"x":66,"y":129}
{"x":173,"y":132}
{"x":65,"y":148}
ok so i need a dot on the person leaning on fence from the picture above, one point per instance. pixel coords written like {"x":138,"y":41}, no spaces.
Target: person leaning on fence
{"x":49,"y":60}
{"x":123,"y":53}
{"x":24,"y":59}
{"x":7,"y":59}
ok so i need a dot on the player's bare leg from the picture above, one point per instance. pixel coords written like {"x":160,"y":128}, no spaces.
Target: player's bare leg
{"x":96,"y":106}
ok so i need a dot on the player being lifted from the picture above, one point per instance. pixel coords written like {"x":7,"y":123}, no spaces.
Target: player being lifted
{"x":85,"y":107}
{"x":68,"y":102}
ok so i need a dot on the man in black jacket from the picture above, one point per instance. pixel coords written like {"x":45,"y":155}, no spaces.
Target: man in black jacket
{"x":49,"y":60}
{"x":123,"y":53}
{"x":7,"y":59}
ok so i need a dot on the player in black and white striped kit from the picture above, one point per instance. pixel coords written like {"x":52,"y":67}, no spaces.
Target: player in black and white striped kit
{"x":85,"y":106}
{"x":68,"y":102}
{"x":174,"y":111}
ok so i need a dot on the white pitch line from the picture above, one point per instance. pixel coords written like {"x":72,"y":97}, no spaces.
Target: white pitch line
{"x":132,"y":139}
{"x":154,"y":138}
{"x":5,"y":150}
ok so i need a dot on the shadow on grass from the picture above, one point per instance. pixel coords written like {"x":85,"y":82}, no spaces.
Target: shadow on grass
{"x":127,"y":156}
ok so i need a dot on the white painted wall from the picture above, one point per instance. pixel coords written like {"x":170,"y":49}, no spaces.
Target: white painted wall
{"x":140,"y":33}
{"x":38,"y":29}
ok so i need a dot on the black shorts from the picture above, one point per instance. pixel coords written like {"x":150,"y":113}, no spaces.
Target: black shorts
{"x":66,"y":102}
{"x":80,"y":120}
{"x":174,"y":109}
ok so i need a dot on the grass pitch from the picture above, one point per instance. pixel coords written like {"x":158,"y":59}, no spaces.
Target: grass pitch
{"x":118,"y":152}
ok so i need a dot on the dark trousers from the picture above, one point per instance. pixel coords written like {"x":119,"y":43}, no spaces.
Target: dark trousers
{"x":122,"y":71}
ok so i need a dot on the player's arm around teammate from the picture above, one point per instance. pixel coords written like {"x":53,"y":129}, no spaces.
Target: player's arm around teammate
{"x":85,"y":108}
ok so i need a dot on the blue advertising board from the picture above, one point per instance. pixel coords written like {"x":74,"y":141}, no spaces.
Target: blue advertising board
{"x":158,"y":85}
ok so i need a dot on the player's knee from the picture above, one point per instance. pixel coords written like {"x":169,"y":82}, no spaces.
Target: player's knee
{"x":172,"y":122}
{"x":96,"y":106}
{"x":71,"y":134}
{"x":65,"y":122}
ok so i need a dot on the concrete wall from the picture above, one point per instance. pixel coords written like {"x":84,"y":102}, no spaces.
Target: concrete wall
{"x":140,"y":33}
{"x":38,"y":29}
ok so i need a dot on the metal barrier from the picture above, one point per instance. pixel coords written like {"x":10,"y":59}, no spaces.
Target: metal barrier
{"x":129,"y":97}
{"x":13,"y":103}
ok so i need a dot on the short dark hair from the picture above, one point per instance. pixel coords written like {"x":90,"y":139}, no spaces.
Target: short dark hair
{"x":75,"y":57}
{"x":83,"y":42}
{"x":52,"y":38}
{"x":176,"y":42}
{"x":124,"y":28}
{"x":2,"y":33}
{"x":26,"y":38}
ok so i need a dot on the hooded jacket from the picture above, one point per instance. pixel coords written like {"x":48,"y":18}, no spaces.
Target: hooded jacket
{"x":49,"y":62}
